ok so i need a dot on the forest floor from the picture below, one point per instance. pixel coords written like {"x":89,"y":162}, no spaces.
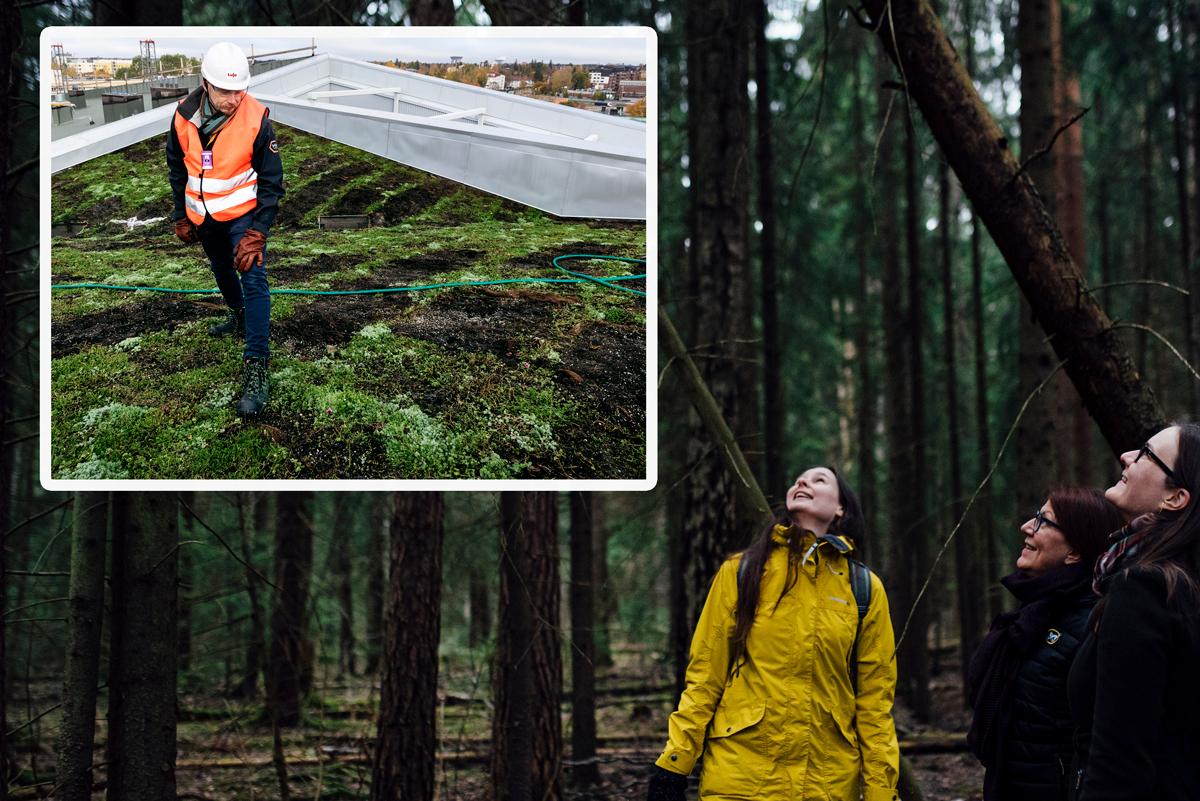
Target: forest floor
{"x":530,"y":380}
{"x":225,"y":746}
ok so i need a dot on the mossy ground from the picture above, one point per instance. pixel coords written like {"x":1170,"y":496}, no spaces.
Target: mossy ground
{"x":513,"y":381}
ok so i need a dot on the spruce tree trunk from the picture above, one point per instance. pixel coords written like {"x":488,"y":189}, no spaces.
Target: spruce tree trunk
{"x":527,"y":728}
{"x":142,"y":666}
{"x":76,"y":739}
{"x":340,"y":545}
{"x":984,"y":530}
{"x":1071,"y":219}
{"x":913,"y":651}
{"x":583,"y":643}
{"x":895,"y":376}
{"x":512,"y":674}
{"x":602,"y":591}
{"x":378,"y":545}
{"x":720,"y":313}
{"x":865,"y":412}
{"x":183,"y":643}
{"x":1037,"y":438}
{"x":254,"y":515}
{"x":1004,"y":197}
{"x":406,"y":748}
{"x":290,"y":662}
{"x":773,"y":399}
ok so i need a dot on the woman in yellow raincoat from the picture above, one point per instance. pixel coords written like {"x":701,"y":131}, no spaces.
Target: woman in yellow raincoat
{"x":771,"y":703}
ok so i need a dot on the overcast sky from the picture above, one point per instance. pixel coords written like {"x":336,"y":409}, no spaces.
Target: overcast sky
{"x":376,"y":44}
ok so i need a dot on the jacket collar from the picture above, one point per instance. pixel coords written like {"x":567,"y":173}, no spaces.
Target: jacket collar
{"x":810,"y":542}
{"x":190,"y":106}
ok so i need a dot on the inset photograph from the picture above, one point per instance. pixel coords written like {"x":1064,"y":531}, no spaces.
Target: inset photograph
{"x":361,"y":256}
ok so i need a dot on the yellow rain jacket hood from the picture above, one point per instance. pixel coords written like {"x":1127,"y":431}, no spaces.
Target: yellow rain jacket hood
{"x":787,"y":725}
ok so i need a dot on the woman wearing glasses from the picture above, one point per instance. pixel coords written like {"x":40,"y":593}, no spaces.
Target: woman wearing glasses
{"x":1022,"y":730}
{"x":1132,"y":689}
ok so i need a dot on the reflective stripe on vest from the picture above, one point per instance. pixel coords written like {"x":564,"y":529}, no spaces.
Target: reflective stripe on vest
{"x":230,"y":188}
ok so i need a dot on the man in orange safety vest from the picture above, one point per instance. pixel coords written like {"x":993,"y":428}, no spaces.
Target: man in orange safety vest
{"x":227,"y":179}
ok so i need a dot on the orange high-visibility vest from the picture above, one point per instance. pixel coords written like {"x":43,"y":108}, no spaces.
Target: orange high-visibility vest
{"x":229,"y":188}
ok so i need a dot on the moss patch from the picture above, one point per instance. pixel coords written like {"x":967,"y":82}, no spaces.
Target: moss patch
{"x":539,"y":380}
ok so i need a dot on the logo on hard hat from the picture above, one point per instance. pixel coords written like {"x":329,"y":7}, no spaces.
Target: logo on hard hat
{"x":231,"y":75}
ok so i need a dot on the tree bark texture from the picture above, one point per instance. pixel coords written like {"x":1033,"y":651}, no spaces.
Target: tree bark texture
{"x":253,"y":516}
{"x":913,"y":654}
{"x":1005,"y":199}
{"x":290,"y":660}
{"x":718,"y":282}
{"x":431,"y":12}
{"x":773,"y":398}
{"x":529,"y":12}
{"x":377,"y":549}
{"x":76,"y":738}
{"x":137,"y":12}
{"x":406,"y":748}
{"x":526,"y":726}
{"x":142,"y":667}
{"x":583,"y":641}
{"x":1071,"y":214}
{"x":602,"y":590}
{"x":340,"y":545}
{"x":1038,"y":444}
{"x":183,"y":644}
{"x":865,"y":413}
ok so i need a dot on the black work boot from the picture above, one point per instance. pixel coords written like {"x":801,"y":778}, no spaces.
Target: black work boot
{"x":234,"y":323}
{"x":254,"y":387}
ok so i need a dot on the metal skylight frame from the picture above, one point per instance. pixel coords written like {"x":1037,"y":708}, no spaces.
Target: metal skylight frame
{"x":569,"y":162}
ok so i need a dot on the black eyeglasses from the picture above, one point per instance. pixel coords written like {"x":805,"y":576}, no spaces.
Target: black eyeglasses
{"x":1146,"y":451}
{"x":1040,"y":520}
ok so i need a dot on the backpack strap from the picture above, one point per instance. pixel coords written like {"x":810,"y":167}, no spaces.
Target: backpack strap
{"x":860,"y":584}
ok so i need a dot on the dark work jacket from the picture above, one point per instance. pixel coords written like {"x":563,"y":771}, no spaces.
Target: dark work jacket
{"x":264,"y":159}
{"x":1133,"y":695}
{"x":1035,"y":751}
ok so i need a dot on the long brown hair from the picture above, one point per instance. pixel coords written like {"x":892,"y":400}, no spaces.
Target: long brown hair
{"x":1172,"y":547}
{"x":754,"y":559}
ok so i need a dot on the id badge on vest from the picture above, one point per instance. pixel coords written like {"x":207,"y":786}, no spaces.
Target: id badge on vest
{"x":206,"y":160}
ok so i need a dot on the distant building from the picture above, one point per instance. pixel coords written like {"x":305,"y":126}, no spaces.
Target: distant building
{"x":597,"y":79}
{"x":456,"y":60}
{"x":495,"y":81}
{"x":632,"y":89}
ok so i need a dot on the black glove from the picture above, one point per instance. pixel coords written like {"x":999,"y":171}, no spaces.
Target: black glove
{"x":666,"y":786}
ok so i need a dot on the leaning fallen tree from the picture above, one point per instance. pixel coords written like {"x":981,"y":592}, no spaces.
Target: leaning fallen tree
{"x":1004,"y":197}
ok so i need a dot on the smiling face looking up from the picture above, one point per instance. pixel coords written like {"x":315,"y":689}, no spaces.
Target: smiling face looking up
{"x":813,"y":501}
{"x":1143,"y":485}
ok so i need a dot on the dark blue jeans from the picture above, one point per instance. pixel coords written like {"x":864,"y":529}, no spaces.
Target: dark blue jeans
{"x":246,"y":290}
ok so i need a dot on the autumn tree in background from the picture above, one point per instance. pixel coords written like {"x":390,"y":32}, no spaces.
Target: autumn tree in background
{"x":406,"y":745}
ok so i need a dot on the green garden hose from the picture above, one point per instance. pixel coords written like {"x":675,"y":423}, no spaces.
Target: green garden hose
{"x":578,"y":278}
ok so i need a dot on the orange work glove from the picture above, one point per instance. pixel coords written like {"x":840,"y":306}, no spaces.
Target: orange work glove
{"x":185,"y":229}
{"x":250,"y":250}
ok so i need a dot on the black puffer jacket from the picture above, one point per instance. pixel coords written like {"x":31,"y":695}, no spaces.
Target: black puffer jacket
{"x":1022,"y":731}
{"x":1037,"y":749}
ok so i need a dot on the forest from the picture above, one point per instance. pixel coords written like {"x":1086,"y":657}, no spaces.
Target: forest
{"x":949,"y":248}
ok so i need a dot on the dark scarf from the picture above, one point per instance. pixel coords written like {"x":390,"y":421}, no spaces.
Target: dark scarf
{"x":1013,"y":636}
{"x":211,"y":120}
{"x":1125,"y":544}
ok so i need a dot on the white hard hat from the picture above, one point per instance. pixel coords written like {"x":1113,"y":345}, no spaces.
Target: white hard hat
{"x":225,"y":66}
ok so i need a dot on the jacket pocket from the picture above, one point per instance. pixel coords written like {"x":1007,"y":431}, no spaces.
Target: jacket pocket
{"x":730,"y":720}
{"x":737,"y":754}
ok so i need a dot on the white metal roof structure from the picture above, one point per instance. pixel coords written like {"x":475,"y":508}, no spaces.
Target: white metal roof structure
{"x":566,"y":161}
